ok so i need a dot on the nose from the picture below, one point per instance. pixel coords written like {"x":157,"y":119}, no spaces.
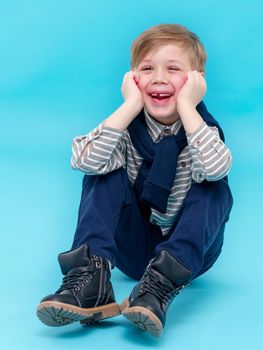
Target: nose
{"x":159,"y":77}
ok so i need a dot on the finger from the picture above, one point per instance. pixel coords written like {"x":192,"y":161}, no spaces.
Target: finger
{"x":128,"y":76}
{"x":197,"y":73}
{"x":190,"y":75}
{"x":199,"y":76}
{"x":136,"y":76}
{"x":136,"y":79}
{"x":125,"y":76}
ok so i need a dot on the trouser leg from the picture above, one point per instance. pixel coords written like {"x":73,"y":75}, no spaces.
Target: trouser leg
{"x":111,"y":223}
{"x":101,"y":200}
{"x":196,"y":237}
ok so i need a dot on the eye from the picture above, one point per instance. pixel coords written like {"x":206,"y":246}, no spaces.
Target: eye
{"x":174,"y":68}
{"x":146,"y":68}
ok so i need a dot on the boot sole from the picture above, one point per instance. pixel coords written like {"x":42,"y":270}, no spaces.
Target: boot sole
{"x":55,"y":313}
{"x":142,"y":318}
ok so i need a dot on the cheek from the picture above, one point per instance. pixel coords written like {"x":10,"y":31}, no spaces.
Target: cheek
{"x":142,"y":88}
{"x":142,"y":84}
{"x":144,"y":80}
{"x":179,"y":83}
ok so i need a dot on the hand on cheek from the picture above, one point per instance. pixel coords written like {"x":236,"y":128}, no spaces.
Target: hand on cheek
{"x":136,"y":79}
{"x":193,"y":89}
{"x":130,"y":89}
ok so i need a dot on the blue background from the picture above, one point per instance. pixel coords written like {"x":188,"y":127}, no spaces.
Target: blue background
{"x":61,"y":68}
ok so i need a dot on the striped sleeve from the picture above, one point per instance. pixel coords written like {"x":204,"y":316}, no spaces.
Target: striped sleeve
{"x":101,"y":151}
{"x":211,"y":159}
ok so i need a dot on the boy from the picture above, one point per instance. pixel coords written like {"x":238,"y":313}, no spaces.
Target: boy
{"x":155,"y":197}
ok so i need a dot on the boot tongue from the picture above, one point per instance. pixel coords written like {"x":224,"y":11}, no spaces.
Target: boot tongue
{"x":170,"y":267}
{"x":74,"y":258}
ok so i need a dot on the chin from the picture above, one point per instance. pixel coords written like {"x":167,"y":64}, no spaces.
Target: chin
{"x":163,"y":116}
{"x":165,"y":120}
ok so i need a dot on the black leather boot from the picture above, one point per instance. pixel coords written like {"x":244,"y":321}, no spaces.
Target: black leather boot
{"x":148,"y":303}
{"x":86,"y":294}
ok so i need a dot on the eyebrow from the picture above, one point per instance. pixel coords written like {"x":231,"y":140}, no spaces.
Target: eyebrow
{"x":171,"y":61}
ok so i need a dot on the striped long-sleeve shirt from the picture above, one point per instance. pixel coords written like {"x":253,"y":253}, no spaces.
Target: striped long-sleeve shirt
{"x":105,"y":149}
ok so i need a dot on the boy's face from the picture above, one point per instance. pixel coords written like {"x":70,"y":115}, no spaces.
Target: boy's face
{"x":163,"y":72}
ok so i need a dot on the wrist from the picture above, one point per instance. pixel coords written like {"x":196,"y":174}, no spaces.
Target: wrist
{"x":190,"y":117}
{"x":134,"y":106}
{"x":122,"y":117}
{"x":185,"y":106}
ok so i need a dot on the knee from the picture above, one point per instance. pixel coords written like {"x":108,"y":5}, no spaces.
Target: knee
{"x":115,"y":177}
{"x":215,"y":194}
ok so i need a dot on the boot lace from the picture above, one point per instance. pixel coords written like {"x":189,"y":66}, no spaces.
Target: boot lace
{"x":75,"y":280}
{"x":163,"y":291}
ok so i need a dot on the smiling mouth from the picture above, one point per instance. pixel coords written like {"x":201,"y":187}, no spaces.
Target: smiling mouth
{"x":160,"y":98}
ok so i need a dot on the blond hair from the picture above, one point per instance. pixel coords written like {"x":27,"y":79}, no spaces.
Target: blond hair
{"x":164,"y":34}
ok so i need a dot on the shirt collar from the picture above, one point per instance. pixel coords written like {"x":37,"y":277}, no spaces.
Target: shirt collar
{"x":157,"y":130}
